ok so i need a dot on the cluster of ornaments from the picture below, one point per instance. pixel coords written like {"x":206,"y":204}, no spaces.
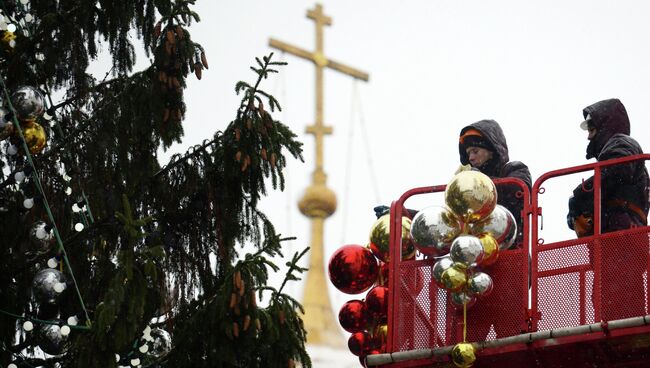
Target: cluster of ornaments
{"x":464,"y":237}
{"x":29,"y":104}
{"x":354,"y":269}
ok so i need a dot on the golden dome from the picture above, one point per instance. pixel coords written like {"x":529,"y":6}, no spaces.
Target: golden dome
{"x":318,"y":201}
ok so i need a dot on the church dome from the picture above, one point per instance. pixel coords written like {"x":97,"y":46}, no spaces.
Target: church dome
{"x":318,"y":201}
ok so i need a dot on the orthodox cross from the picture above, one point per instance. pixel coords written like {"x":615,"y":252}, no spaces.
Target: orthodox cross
{"x":318,"y":202}
{"x":318,"y":129}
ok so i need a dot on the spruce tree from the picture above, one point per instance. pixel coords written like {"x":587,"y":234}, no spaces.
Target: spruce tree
{"x":143,"y":264}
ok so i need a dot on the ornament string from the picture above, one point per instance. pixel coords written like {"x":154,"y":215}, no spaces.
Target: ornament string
{"x":465,"y":320}
{"x":39,"y":187}
{"x":43,"y":321}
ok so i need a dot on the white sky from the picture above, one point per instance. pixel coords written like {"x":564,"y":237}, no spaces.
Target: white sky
{"x":435,"y":66}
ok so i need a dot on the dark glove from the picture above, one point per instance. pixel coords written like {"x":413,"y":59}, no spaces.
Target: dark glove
{"x":381,"y":210}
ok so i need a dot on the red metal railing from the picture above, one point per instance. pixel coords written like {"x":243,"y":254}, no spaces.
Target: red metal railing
{"x":569,"y":284}
{"x":420,"y":314}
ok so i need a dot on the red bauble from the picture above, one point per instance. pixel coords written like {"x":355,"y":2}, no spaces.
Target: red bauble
{"x":354,"y":316}
{"x":382,"y":277}
{"x":359,"y":343}
{"x":353,"y":269}
{"x":377,"y":303}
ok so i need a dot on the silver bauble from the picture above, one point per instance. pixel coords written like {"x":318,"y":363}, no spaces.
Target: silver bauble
{"x":28,"y":102}
{"x":480,"y":284}
{"x":51,"y":341}
{"x":501,"y":224}
{"x":461,"y":298}
{"x":433,"y":229}
{"x":40,"y":240}
{"x":46,"y":283}
{"x":466,"y":249}
{"x":161,"y":344}
{"x":441,"y":265}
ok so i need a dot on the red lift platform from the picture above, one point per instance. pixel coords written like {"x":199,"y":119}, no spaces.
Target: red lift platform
{"x":587,"y":305}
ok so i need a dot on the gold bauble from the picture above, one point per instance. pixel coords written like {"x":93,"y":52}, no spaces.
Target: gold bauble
{"x":471,"y":195}
{"x":454,"y":278}
{"x":380,"y":239}
{"x":34,"y":137}
{"x":463,"y":355}
{"x":490,"y":249}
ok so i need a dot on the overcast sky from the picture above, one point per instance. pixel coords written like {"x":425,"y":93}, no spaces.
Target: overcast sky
{"x":435,"y":66}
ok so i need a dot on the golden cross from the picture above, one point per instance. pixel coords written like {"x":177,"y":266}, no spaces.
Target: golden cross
{"x":318,"y":129}
{"x":318,"y":202}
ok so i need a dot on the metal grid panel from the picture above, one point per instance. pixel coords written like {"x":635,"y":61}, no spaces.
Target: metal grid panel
{"x":566,"y":288}
{"x":553,"y":259}
{"x":428,"y":320}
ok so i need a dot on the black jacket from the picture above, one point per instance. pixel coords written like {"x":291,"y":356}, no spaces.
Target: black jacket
{"x":619,"y":183}
{"x":500,"y":166}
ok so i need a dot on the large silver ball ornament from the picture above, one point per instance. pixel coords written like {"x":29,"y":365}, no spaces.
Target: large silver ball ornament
{"x":501,"y":224}
{"x":51,"y":341}
{"x":161,"y":343}
{"x":480,"y":284}
{"x":466,"y":249}
{"x":28,"y":102}
{"x":48,"y":286}
{"x":433,"y":229}
{"x":439,"y":267}
{"x":40,"y":239}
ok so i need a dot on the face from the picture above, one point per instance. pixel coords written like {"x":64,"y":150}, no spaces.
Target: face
{"x":478,"y":156}
{"x":591,"y":132}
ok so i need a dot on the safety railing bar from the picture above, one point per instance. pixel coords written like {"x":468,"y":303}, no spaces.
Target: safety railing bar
{"x":397,"y":207}
{"x":586,"y":167}
{"x":564,"y":270}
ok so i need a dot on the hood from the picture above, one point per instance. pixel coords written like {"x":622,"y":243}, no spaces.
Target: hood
{"x":491,"y":131}
{"x":609,"y":117}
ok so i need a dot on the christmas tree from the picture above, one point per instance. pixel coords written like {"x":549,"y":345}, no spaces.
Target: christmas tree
{"x":109,"y":259}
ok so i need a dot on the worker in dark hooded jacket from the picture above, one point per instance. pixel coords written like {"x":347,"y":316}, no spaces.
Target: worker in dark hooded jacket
{"x":483,"y":146}
{"x":624,"y":205}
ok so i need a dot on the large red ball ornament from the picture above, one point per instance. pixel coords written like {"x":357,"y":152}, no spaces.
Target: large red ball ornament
{"x":359,"y":343}
{"x":354,"y":316}
{"x":377,"y":302}
{"x":353,"y":269}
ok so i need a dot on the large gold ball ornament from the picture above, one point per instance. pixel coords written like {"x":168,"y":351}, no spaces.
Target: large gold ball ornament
{"x":34,"y":137}
{"x":463,"y":355}
{"x":380,"y":239}
{"x":471,"y":195}
{"x":490,"y":250}
{"x":454,"y":278}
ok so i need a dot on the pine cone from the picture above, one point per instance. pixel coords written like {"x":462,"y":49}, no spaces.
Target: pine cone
{"x":204,"y":60}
